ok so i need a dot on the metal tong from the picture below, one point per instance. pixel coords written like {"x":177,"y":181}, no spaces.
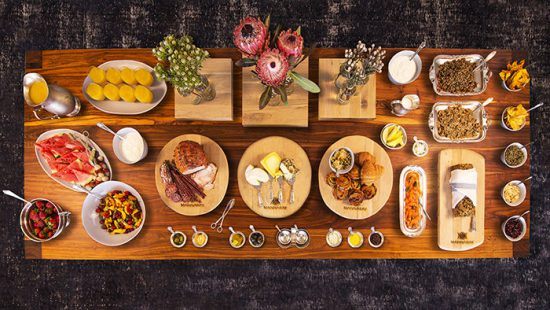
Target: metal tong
{"x":218,"y":225}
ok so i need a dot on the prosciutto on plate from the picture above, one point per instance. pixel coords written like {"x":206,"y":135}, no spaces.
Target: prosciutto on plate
{"x":73,"y":161}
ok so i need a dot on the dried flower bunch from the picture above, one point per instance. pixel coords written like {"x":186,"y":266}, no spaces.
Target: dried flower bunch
{"x":275,"y":59}
{"x":362,"y":62}
{"x":180,"y":62}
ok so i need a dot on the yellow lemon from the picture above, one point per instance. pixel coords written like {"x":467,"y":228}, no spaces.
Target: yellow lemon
{"x":111,"y":92}
{"x":113,"y":76}
{"x":95,"y":91}
{"x":143,"y":94}
{"x":144,"y":77}
{"x":127,"y":93}
{"x":128,"y":76}
{"x":97,"y":75}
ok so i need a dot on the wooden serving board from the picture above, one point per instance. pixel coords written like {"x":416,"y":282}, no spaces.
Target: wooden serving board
{"x":68,"y":68}
{"x":361,"y":106}
{"x":451,"y":229}
{"x":220,"y":75}
{"x":295,"y":114}
{"x":286,"y":148}
{"x":214,"y":196}
{"x":384,"y":184}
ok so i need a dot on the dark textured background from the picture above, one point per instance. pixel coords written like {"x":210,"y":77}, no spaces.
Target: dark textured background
{"x":507,"y":283}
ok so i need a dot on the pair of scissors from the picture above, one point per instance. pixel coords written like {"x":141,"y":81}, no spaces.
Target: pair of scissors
{"x":218,"y":225}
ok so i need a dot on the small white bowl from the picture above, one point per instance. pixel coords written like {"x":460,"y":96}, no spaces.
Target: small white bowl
{"x":117,"y":145}
{"x":351,"y":231}
{"x":350,"y":166}
{"x":523,"y":224}
{"x":416,"y":60}
{"x":404,"y":137}
{"x":373,"y":232}
{"x":523,"y":150}
{"x":522,"y":193}
{"x":174,"y":233}
{"x":503,"y":122}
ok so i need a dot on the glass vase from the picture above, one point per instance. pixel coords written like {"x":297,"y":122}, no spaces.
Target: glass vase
{"x":275,"y":98}
{"x":203,"y":92}
{"x":347,"y":85}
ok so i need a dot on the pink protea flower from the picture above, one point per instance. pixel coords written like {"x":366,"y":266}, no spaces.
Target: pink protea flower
{"x":272,"y":67}
{"x":290,"y":43}
{"x":250,"y":36}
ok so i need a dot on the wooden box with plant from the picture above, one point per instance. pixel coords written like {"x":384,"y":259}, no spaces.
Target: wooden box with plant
{"x":202,"y":85}
{"x":278,"y":61}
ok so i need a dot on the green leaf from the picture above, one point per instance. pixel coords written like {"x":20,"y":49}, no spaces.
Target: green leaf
{"x":282,"y":92}
{"x":245,"y":62}
{"x":275,"y":35}
{"x":267,"y":21}
{"x":305,"y":83}
{"x":264,"y":98}
{"x":299,"y":30}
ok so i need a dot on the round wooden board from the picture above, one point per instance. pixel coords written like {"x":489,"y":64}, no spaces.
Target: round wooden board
{"x":384,"y":184}
{"x":214,"y":196}
{"x":286,"y":148}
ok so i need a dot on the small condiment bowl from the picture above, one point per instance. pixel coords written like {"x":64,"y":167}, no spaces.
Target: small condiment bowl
{"x":523,"y":226}
{"x":197,"y":233}
{"x":503,"y":122}
{"x":338,"y":236}
{"x":174,"y":234}
{"x":236,"y":233}
{"x":301,"y":238}
{"x":353,"y":232}
{"x":117,"y":145}
{"x":339,"y":172}
{"x":420,"y":142}
{"x":417,"y":61}
{"x":523,"y":150}
{"x":522,"y":193}
{"x":255,"y":232}
{"x":404,"y":137}
{"x":284,"y":237}
{"x":374,"y":232}
{"x":509,"y":89}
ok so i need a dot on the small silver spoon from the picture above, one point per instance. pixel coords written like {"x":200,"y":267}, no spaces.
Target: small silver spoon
{"x":420,"y":47}
{"x":109,"y":130}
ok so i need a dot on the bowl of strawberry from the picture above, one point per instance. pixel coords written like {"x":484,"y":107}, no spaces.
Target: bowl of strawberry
{"x":43,"y":220}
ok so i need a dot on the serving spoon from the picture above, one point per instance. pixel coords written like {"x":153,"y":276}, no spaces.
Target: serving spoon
{"x":82,"y":188}
{"x":485,"y":103}
{"x":14,"y":195}
{"x":486,"y":59}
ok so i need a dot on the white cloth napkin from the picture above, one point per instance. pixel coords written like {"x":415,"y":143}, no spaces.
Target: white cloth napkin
{"x":463,"y":184}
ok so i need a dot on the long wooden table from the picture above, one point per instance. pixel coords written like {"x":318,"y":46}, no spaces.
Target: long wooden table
{"x":68,"y":68}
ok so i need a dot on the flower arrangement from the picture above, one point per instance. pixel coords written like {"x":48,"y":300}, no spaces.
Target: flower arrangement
{"x":360,"y":63}
{"x":275,"y":59}
{"x":179,"y":63}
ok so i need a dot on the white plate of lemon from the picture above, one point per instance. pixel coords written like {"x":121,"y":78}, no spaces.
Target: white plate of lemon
{"x":124,"y":87}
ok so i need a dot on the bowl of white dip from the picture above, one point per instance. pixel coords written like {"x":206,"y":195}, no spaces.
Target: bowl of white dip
{"x":131,"y":148}
{"x":402,"y":70}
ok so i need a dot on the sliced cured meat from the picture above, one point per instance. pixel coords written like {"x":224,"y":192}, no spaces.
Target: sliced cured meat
{"x":205,"y":177}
